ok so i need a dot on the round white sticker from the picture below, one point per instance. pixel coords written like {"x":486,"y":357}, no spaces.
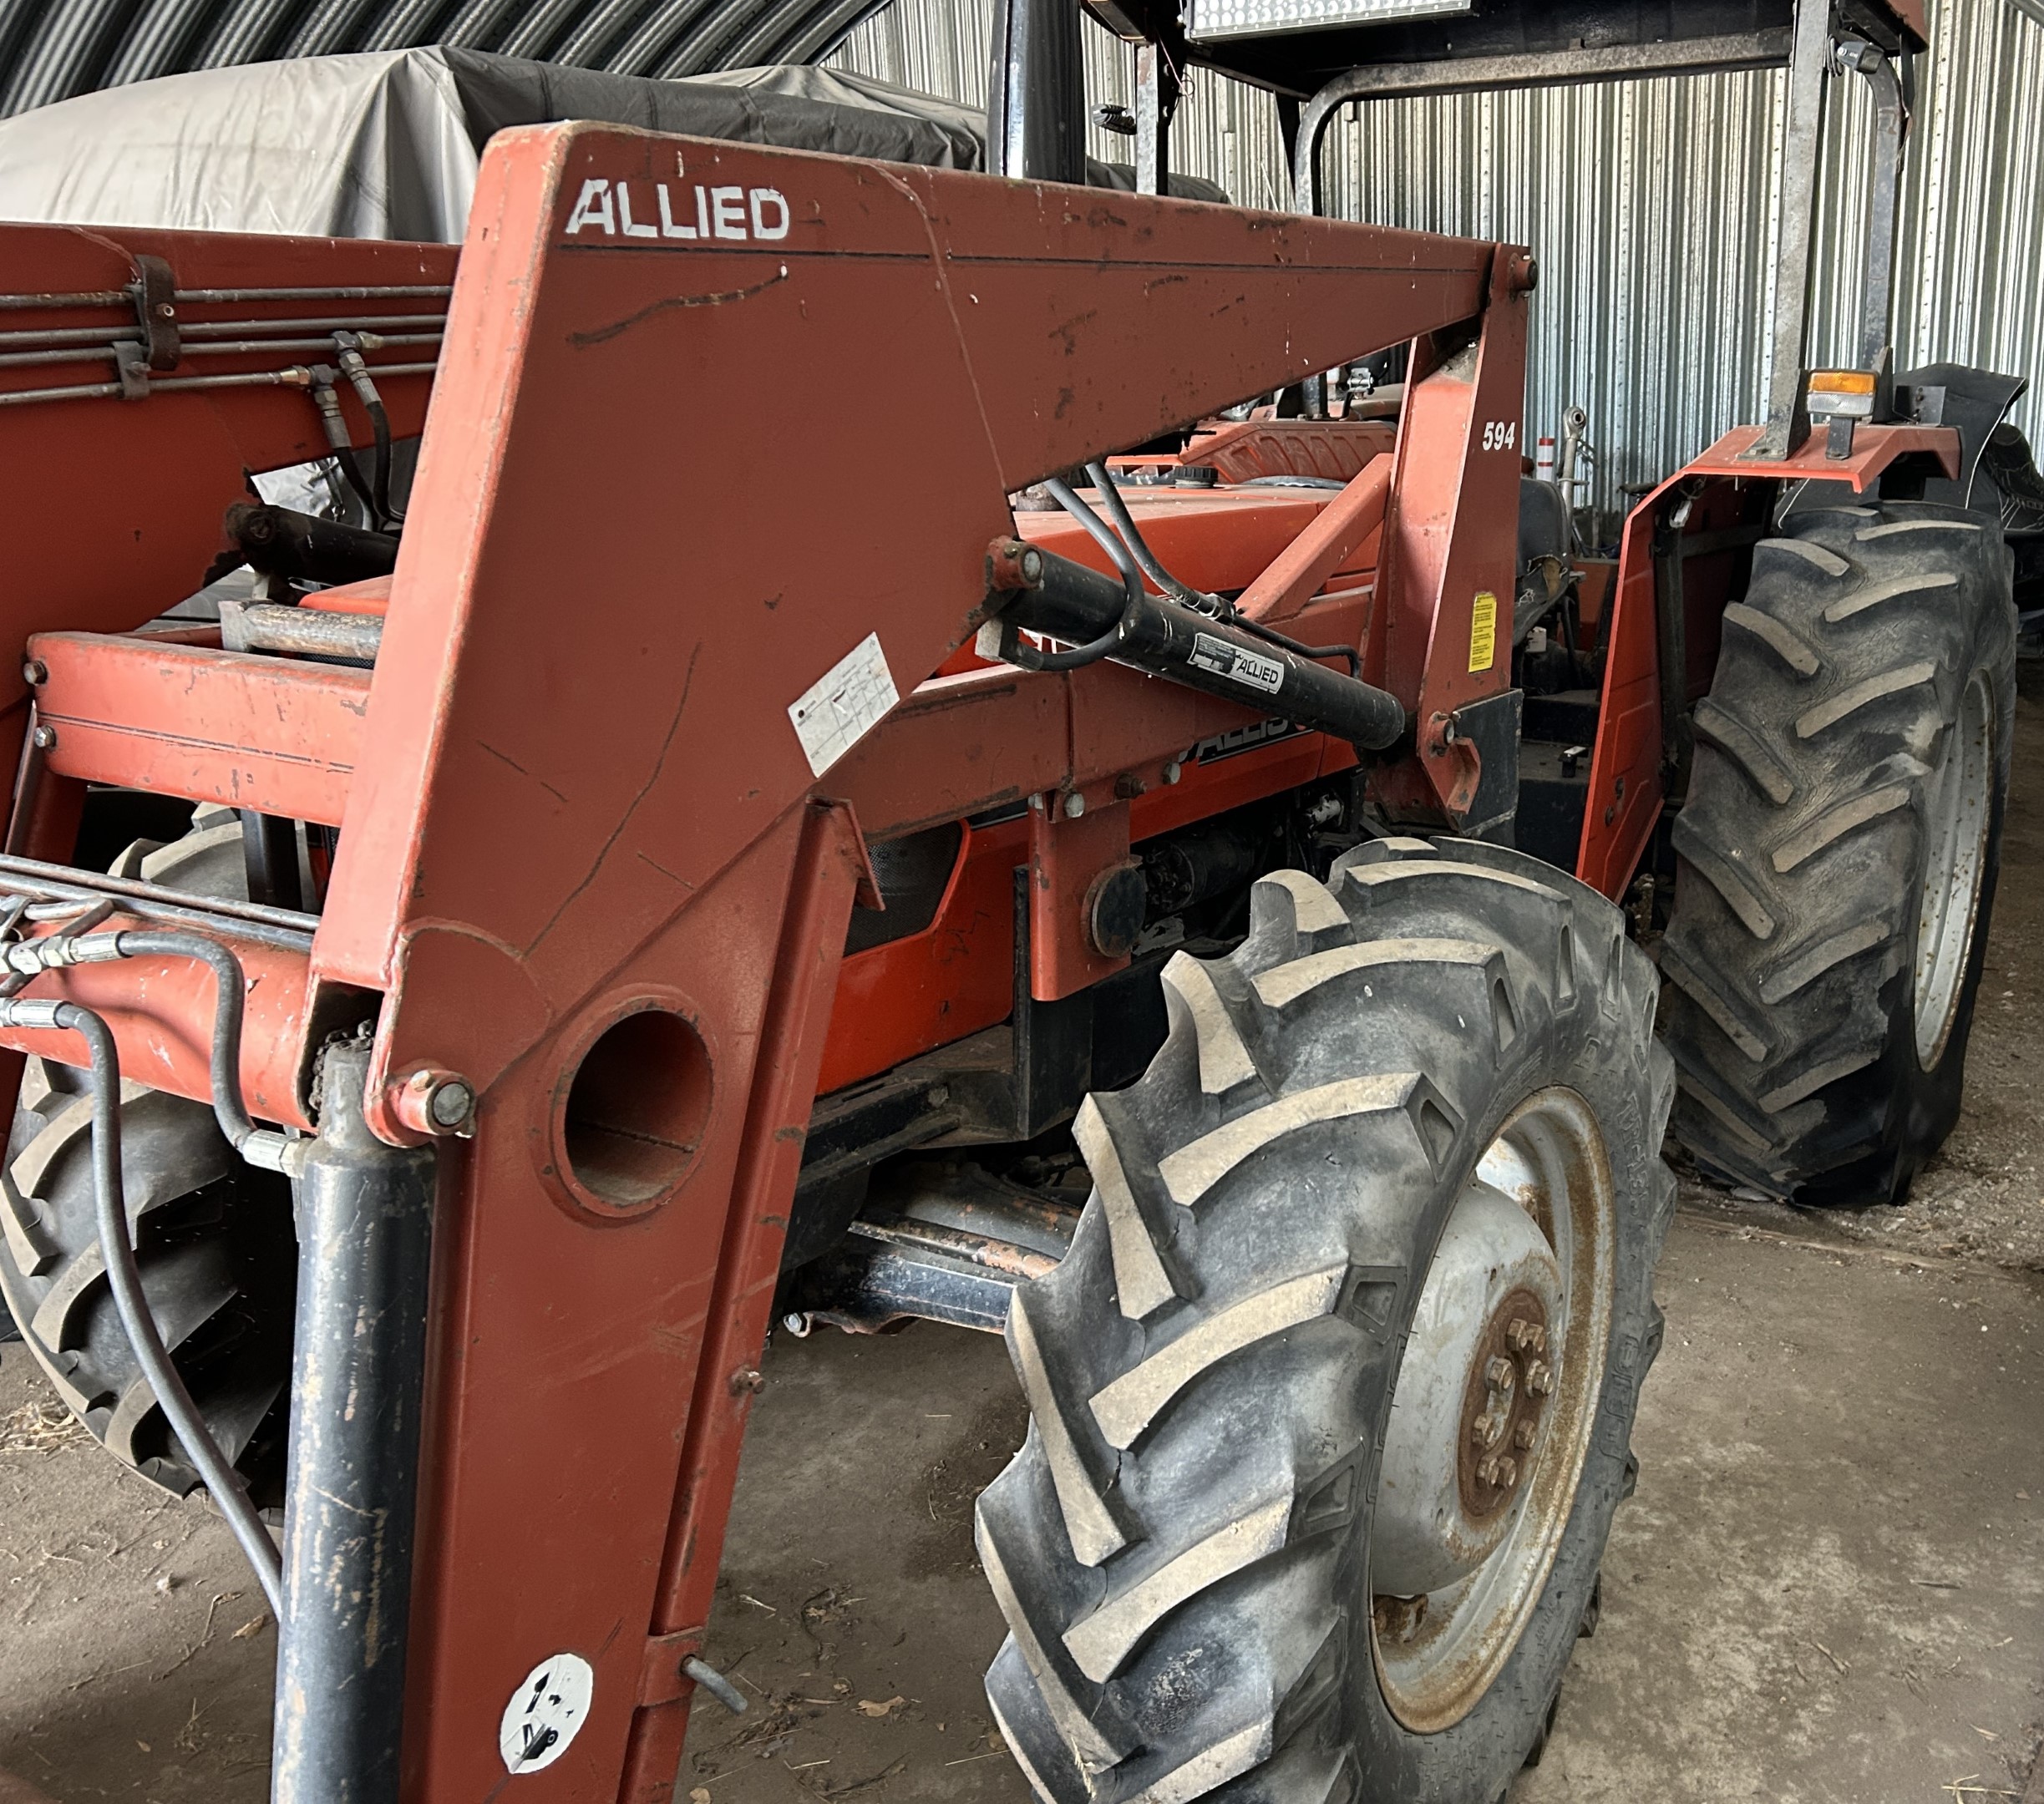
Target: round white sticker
{"x":545,"y":1713}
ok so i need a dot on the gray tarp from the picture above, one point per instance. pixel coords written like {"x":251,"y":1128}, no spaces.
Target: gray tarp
{"x":385,"y":144}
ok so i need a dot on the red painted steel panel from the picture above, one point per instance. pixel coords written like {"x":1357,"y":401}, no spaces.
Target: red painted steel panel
{"x":1450,"y":550}
{"x":953,"y":315}
{"x":106,"y":550}
{"x":557,"y":812}
{"x":1067,"y":855}
{"x":1874,"y":447}
{"x":260,"y":733}
{"x":955,"y":977}
{"x":161,"y":1013}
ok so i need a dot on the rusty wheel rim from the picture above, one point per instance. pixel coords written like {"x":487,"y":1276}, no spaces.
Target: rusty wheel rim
{"x":1492,"y":1416}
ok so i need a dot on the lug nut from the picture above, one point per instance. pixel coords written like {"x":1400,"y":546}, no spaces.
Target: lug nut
{"x":1522,"y":1436}
{"x":1540,"y":1381}
{"x":1483,"y":1428}
{"x":1508,"y":1471}
{"x":1499,"y":1372}
{"x":1524,"y":1334}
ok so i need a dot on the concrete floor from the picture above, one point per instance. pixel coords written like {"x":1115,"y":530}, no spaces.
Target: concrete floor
{"x":1829,"y":1589}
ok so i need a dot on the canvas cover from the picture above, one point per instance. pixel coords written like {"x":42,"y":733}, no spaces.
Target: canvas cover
{"x":386,"y":145}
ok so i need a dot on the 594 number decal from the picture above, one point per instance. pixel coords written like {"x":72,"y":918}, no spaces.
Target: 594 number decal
{"x":1500,"y":435}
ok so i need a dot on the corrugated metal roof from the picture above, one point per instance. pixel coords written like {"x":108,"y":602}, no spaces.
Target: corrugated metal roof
{"x":1650,"y":206}
{"x":52,"y":49}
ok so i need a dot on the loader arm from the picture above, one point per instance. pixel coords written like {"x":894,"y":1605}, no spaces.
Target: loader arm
{"x":719,"y":442}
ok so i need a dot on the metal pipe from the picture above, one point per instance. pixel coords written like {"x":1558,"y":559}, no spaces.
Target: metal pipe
{"x":265,"y":626}
{"x":295,"y":377}
{"x":1884,"y":207}
{"x":1809,"y":67}
{"x":1156,"y":99}
{"x":1035,"y":93}
{"x":1701,"y":56}
{"x":364,"y":1214}
{"x":974,"y":1249}
{"x":282,"y":928}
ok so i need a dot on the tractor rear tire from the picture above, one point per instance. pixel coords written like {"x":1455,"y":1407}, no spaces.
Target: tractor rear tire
{"x":216,"y":1245}
{"x":1412,"y":1101}
{"x":1839,"y":849}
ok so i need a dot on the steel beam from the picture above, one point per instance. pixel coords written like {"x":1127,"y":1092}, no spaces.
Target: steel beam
{"x":1787,"y":420}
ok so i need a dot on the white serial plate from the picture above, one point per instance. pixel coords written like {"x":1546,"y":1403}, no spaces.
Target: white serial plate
{"x":845,"y":704}
{"x":545,"y":1713}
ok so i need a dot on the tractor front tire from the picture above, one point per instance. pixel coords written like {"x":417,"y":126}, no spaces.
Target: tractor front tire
{"x":215,"y":1246}
{"x":1331,"y":1398}
{"x":1838,"y":850}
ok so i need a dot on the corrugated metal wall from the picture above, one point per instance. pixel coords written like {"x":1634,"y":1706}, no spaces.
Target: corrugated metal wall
{"x":1650,"y":207}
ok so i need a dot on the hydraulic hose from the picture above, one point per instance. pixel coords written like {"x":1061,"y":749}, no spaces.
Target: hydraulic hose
{"x":1026,"y":657}
{"x":358,"y":373}
{"x":1198,"y":600}
{"x":131,"y":1302}
{"x":228,"y":1108}
{"x":1117,"y":510}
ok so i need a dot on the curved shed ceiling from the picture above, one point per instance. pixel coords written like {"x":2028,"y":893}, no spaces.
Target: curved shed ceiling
{"x":52,"y":49}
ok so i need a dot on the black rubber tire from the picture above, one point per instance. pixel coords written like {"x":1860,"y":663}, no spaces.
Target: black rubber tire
{"x":216,"y":1248}
{"x":1803,"y":845}
{"x":1257,"y":1681}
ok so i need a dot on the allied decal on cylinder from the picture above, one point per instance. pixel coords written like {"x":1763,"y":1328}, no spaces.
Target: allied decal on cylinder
{"x":1240,"y":666}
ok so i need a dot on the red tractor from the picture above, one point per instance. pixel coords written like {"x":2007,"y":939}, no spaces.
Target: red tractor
{"x":1025,"y":840}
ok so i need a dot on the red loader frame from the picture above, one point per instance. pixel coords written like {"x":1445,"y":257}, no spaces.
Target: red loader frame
{"x":594,"y":865}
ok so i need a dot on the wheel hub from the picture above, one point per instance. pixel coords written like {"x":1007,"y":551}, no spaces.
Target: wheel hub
{"x":1502,"y":1411}
{"x":1492,"y":1415}
{"x":1452,"y":1461}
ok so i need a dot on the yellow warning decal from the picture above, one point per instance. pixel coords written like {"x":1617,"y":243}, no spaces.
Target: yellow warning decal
{"x":1483,"y":631}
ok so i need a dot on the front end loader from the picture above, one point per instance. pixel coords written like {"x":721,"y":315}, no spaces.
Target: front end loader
{"x":1028,"y":843}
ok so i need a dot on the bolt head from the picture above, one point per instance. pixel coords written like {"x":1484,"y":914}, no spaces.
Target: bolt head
{"x":1539,"y":1380}
{"x":1172,"y":772}
{"x":1030,"y":563}
{"x":1523,"y":1437}
{"x":1074,"y":805}
{"x":34,"y":671}
{"x":451,"y":1104}
{"x":1500,"y":1373}
{"x":1488,"y":1472}
{"x":1508,"y":1471}
{"x":747,"y":1380}
{"x":1483,"y":1428}
{"x":45,"y":738}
